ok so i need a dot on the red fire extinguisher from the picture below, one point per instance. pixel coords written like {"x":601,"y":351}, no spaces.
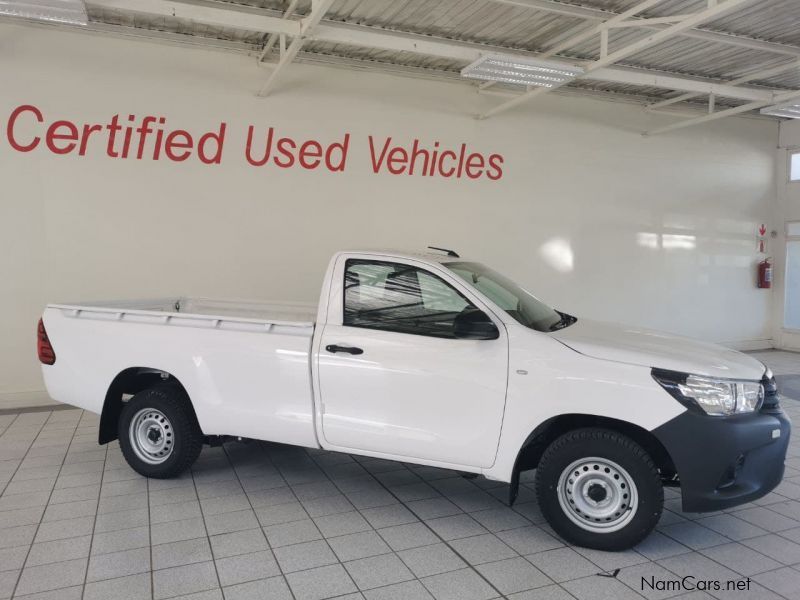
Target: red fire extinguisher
{"x":765,"y":273}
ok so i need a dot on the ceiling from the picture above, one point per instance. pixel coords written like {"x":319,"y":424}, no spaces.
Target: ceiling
{"x":438,"y":38}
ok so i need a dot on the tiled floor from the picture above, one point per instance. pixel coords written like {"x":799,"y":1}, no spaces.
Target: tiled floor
{"x":263,"y":521}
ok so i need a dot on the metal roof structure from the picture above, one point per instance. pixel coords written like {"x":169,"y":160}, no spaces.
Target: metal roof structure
{"x":708,"y":58}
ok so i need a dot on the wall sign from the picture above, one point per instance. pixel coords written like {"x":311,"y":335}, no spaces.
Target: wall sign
{"x":150,"y":138}
{"x":761,"y":238}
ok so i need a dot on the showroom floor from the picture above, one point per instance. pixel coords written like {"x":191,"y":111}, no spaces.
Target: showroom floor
{"x":265,"y":521}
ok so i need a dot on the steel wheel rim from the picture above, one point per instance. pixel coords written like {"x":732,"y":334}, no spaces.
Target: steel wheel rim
{"x":152,"y":436}
{"x":598,"y":495}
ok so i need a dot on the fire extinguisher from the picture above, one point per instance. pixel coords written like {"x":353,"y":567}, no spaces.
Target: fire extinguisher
{"x":765,"y":273}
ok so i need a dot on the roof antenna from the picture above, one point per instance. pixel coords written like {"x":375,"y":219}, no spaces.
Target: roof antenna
{"x":449,"y":252}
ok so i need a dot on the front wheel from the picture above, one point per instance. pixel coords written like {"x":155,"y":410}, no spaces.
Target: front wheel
{"x":158,"y":432}
{"x":599,"y":489}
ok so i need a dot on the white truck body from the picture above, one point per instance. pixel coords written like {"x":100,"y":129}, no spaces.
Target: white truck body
{"x":262,"y":371}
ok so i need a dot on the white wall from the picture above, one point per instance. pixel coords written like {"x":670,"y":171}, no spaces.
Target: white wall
{"x":787,"y":209}
{"x":593,"y":217}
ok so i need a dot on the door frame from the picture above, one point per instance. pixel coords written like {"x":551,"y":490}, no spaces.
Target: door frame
{"x":333,"y":313}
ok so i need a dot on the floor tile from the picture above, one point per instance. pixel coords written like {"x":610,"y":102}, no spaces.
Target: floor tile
{"x":455,"y":527}
{"x":307,"y":555}
{"x":43,"y":553}
{"x":693,"y":535}
{"x":175,"y":554}
{"x":17,"y":536}
{"x":292,"y":533}
{"x":246,"y":567}
{"x":432,"y":508}
{"x":465,"y":584}
{"x":412,"y":535}
{"x":133,"y":587}
{"x":741,"y":559}
{"x":785,"y":581}
{"x":377,"y":571}
{"x":482,"y":548}
{"x":358,"y":545}
{"x":118,"y":564}
{"x":184,"y":580}
{"x":766,"y":519}
{"x":50,"y":577}
{"x":274,"y":588}
{"x":600,"y":588}
{"x":320,"y":583}
{"x":12,"y":559}
{"x":342,"y":524}
{"x":529,"y":540}
{"x":70,"y":593}
{"x":388,"y":516}
{"x":116,"y":541}
{"x":431,"y":560}
{"x":513,"y":575}
{"x":407,"y":590}
{"x":776,"y":547}
{"x":238,"y":542}
{"x":562,"y":564}
{"x":500,"y":519}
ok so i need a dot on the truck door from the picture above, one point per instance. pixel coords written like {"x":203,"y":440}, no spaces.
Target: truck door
{"x":394,"y":378}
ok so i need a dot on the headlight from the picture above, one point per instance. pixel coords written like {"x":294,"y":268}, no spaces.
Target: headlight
{"x":717,"y":397}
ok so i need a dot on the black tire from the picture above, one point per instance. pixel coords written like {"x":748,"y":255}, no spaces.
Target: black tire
{"x":605,"y":445}
{"x":181,"y":431}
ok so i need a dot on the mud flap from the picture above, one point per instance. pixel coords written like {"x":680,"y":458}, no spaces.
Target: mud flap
{"x":513,"y":487}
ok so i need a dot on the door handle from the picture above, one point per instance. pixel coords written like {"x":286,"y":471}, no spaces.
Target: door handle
{"x":333,"y":348}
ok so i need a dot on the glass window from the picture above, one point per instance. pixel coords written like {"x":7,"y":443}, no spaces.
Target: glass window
{"x":794,"y":166}
{"x":523,"y":306}
{"x":791,"y":310}
{"x":402,"y":298}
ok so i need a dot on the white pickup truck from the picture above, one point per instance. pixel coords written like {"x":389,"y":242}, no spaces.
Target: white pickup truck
{"x":436,"y":360}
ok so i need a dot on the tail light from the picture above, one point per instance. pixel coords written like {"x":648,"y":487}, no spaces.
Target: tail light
{"x":46,"y":353}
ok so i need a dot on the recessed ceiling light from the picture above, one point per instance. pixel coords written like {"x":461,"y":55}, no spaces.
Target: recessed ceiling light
{"x":521,"y":71}
{"x":790,"y":110}
{"x":58,"y":11}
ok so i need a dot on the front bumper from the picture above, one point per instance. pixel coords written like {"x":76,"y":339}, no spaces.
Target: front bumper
{"x":726,"y":461}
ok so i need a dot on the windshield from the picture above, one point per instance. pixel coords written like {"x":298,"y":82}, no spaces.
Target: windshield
{"x":523,"y":306}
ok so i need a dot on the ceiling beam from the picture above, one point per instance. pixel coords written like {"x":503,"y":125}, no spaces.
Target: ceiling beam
{"x":712,"y":11}
{"x":730,"y":112}
{"x":581,"y":12}
{"x":307,"y":25}
{"x":205,"y":14}
{"x":273,"y":37}
{"x":753,"y":76}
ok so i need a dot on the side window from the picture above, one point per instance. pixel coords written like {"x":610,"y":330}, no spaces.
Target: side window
{"x":401,"y":298}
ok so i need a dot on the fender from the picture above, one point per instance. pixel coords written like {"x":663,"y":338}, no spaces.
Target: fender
{"x":546,"y":432}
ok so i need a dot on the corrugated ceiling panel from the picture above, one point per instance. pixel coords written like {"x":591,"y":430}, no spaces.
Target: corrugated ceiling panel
{"x":501,"y":24}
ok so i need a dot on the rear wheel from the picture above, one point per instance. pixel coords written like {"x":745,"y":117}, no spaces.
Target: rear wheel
{"x":599,"y":489}
{"x":158,"y":432}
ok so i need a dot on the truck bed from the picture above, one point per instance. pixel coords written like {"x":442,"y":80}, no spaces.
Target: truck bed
{"x":184,"y":309}
{"x":244,"y":364}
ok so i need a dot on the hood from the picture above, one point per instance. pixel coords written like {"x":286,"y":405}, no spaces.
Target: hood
{"x":637,"y":346}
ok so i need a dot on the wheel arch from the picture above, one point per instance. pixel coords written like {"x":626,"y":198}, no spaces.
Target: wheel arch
{"x":129,"y":382}
{"x":546,"y":432}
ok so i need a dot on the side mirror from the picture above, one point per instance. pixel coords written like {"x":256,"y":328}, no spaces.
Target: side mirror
{"x":474,"y":325}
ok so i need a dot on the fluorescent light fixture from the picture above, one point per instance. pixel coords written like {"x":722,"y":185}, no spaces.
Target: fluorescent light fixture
{"x":789,"y":110}
{"x":56,"y":11}
{"x":521,"y":71}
